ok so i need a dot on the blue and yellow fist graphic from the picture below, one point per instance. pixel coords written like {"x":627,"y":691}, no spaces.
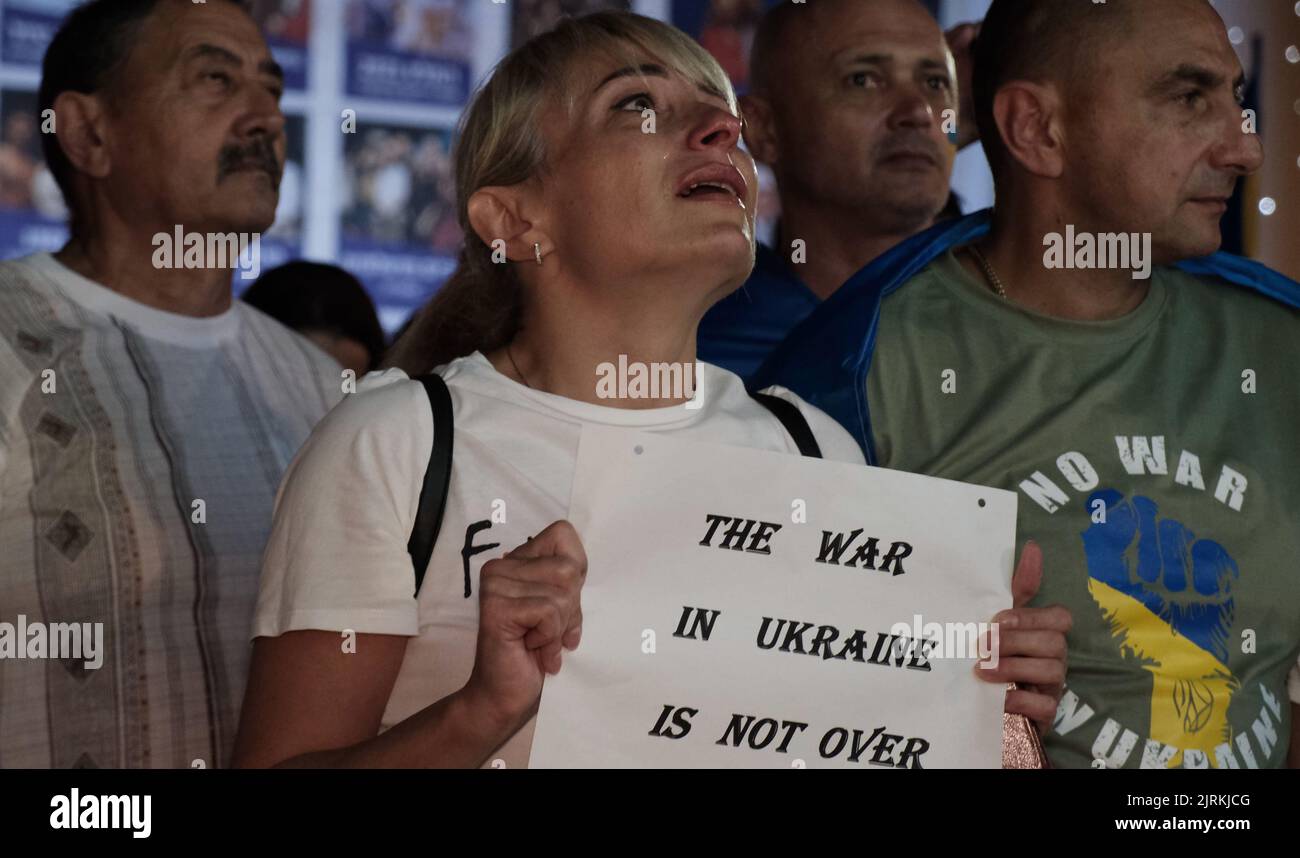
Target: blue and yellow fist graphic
{"x":1167,"y":597}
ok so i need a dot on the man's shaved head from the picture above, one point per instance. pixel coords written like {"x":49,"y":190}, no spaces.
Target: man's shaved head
{"x":1125,"y":116}
{"x":785,"y":30}
{"x":1039,"y":40}
{"x":849,"y":103}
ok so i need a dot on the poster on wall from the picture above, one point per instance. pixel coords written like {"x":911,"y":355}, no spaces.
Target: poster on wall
{"x":32,"y":214}
{"x":532,"y":17}
{"x":399,"y":230}
{"x":26,"y":28}
{"x":726,"y":29}
{"x":415,"y":51}
{"x":287,"y":27}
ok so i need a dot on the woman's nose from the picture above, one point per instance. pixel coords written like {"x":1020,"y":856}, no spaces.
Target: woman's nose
{"x":714,"y":128}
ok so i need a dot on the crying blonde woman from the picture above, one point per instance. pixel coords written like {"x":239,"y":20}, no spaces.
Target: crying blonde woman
{"x":601,"y":164}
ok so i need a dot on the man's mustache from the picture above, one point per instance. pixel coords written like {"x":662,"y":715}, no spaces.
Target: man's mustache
{"x":258,"y":155}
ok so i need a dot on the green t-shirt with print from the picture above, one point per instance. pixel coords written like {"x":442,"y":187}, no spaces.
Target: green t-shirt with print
{"x":1156,"y":458}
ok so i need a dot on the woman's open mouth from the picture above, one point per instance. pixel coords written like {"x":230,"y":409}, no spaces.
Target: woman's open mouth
{"x":712,"y":194}
{"x":714,"y":183}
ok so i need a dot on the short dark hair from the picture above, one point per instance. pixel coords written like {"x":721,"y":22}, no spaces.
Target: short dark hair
{"x":311,"y":296}
{"x":84,"y":56}
{"x":1034,"y":40}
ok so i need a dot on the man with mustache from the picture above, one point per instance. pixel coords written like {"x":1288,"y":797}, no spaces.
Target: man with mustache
{"x":145,"y":417}
{"x":1085,"y":347}
{"x":848,"y":108}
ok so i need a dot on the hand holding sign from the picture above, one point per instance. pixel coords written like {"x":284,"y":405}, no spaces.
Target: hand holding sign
{"x":529,"y":609}
{"x":1031,"y":645}
{"x":729,"y":630}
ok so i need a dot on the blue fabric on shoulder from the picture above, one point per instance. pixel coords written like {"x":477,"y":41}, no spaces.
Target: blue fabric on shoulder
{"x":826,"y":358}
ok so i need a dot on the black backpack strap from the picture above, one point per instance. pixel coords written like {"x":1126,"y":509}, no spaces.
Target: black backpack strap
{"x":793,"y":421}
{"x":437,"y":478}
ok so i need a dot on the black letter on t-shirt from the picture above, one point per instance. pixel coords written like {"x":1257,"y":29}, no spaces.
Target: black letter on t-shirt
{"x":469,"y":550}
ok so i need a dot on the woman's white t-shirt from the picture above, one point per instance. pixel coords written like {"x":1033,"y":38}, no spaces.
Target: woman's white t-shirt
{"x":337,"y":555}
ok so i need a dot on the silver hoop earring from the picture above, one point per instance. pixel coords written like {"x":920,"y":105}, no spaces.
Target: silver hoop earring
{"x":537,"y":252}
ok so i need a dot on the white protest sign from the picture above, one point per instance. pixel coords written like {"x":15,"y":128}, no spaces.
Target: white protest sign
{"x":739,"y":605}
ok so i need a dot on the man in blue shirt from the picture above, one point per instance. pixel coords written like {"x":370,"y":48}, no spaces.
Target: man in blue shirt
{"x":872,"y":89}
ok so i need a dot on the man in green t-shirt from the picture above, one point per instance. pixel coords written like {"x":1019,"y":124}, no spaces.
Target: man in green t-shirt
{"x":1144,"y":413}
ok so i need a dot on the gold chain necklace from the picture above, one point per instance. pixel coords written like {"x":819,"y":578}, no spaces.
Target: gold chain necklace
{"x":989,"y":272}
